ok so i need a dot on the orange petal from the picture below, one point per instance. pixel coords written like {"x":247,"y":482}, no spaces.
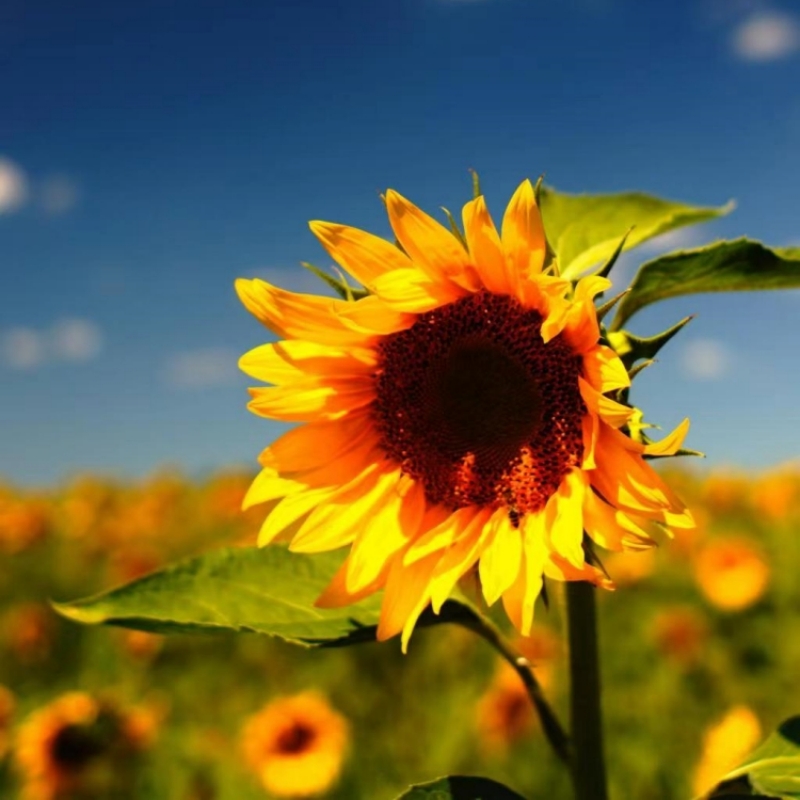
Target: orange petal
{"x":364,"y":255}
{"x":523,"y":235}
{"x":612,"y":528}
{"x":485,"y":247}
{"x":297,"y":316}
{"x":412,"y":291}
{"x":429,"y":244}
{"x":519,"y":600}
{"x":405,"y":597}
{"x":336,"y":594}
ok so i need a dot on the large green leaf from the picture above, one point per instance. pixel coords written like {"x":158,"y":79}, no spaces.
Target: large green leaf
{"x":585,"y":229}
{"x":457,"y":787}
{"x":269,"y":591}
{"x":772,"y":770}
{"x":738,"y":265}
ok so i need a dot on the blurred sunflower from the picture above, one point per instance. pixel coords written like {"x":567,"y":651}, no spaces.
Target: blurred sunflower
{"x":80,"y":744}
{"x":732,"y":573}
{"x":457,"y":415}
{"x":296,"y":745}
{"x":725,"y":745}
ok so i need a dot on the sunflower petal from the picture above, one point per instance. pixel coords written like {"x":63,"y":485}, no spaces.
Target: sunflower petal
{"x":610,"y":411}
{"x":604,"y":370}
{"x":500,"y":562}
{"x":485,"y":247}
{"x":364,"y":255}
{"x":412,"y":291}
{"x":564,"y":518}
{"x":523,"y":234}
{"x":519,"y":600}
{"x":671,"y":443}
{"x":428,"y":243}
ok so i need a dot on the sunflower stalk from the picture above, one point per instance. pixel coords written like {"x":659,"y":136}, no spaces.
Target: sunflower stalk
{"x":551,"y":726}
{"x":588,"y":765}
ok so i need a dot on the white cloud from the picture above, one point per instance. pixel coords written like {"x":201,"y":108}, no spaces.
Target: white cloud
{"x":76,"y":340}
{"x":23,"y":348}
{"x":58,"y":194}
{"x":66,"y":340}
{"x":13,"y":186}
{"x":767,"y":36}
{"x":200,"y":369}
{"x":706,"y":359}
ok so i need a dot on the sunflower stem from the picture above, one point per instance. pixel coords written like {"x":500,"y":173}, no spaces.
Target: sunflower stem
{"x":588,"y":765}
{"x":551,"y":727}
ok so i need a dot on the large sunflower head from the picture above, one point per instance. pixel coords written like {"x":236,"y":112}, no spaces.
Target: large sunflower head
{"x":462,"y":413}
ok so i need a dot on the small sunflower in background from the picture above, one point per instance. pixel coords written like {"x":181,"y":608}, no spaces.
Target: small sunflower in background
{"x":296,"y":745}
{"x":458,"y":414}
{"x":79,"y":744}
{"x":732,"y":573}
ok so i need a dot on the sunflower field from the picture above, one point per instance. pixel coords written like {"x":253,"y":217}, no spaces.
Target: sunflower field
{"x":700,"y":660}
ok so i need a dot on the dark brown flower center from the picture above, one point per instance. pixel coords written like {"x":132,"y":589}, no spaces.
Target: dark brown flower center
{"x":472,"y":403}
{"x":74,"y":746}
{"x":295,"y":739}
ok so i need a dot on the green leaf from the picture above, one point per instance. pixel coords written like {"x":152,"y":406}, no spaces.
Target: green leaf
{"x":269,"y":591}
{"x":248,"y":589}
{"x":774,"y":767}
{"x":738,"y":265}
{"x":586,"y":229}
{"x":457,"y":787}
{"x":340,"y":286}
{"x":631,"y":348}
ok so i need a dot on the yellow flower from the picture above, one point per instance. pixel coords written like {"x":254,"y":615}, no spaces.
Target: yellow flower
{"x":731,"y":573}
{"x":457,"y":416}
{"x":78,"y":743}
{"x":725,"y":745}
{"x":296,"y":745}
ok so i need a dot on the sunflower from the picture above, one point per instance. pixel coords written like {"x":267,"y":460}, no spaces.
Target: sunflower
{"x":296,"y":745}
{"x":80,"y":744}
{"x":457,"y":415}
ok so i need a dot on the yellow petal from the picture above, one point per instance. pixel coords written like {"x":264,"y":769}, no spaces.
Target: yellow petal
{"x":523,"y":234}
{"x":414,"y":292}
{"x":459,"y":557}
{"x":612,"y":528}
{"x":268,"y":485}
{"x":604,"y":370}
{"x":405,"y":597}
{"x":441,"y":535}
{"x":561,"y":570}
{"x":564,"y":518}
{"x":429,"y":244}
{"x":308,"y":447}
{"x":393,"y":523}
{"x":295,"y":359}
{"x":519,"y":600}
{"x":308,"y":401}
{"x":500,"y":562}
{"x":671,"y":443}
{"x":297,"y":316}
{"x":590,"y":426}
{"x":485,"y":247}
{"x":337,"y":522}
{"x":336,"y":594}
{"x":289,"y":510}
{"x":612,"y":412}
{"x":364,"y":255}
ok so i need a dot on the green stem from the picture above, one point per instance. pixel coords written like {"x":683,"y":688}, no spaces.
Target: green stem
{"x":589,"y":771}
{"x":551,"y":726}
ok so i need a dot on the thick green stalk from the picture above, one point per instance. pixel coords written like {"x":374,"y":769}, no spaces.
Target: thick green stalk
{"x":589,"y":771}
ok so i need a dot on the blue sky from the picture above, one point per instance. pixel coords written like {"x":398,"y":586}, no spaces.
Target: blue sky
{"x":150,"y":153}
